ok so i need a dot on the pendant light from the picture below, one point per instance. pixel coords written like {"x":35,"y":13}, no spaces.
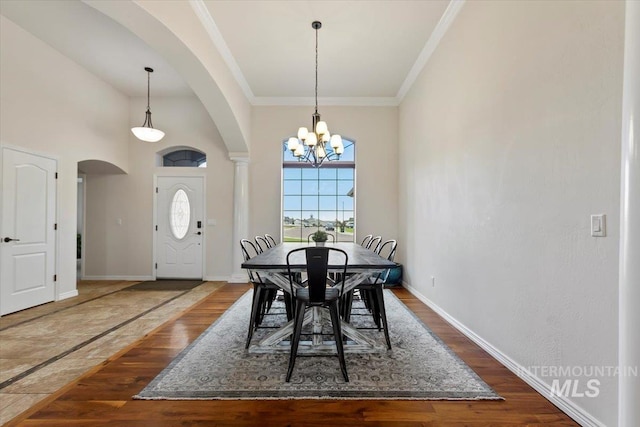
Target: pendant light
{"x":146,"y":132}
{"x":316,"y":145}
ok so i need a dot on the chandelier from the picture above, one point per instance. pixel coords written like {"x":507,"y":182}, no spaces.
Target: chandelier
{"x":146,"y":132}
{"x":317,"y":145}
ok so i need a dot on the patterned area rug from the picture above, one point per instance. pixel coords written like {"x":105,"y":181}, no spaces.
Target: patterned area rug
{"x":419,"y":366}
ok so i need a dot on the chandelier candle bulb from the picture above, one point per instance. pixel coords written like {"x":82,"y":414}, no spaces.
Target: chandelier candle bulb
{"x":336,"y":141}
{"x":321,"y":128}
{"x":311,"y":140}
{"x":292,"y":144}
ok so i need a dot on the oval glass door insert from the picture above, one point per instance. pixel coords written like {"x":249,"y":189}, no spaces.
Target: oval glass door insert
{"x":179,"y":214}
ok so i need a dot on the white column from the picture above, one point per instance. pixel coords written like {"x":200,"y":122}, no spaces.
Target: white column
{"x":240,"y":213}
{"x":629,"y":294}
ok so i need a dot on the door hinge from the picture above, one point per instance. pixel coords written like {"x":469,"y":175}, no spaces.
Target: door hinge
{"x":55,"y":277}
{"x":156,"y":265}
{"x":55,"y":226}
{"x":156,"y":228}
{"x":156,"y":189}
{"x":56,"y":175}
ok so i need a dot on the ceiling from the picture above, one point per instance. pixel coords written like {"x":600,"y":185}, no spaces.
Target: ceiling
{"x":366,"y":49}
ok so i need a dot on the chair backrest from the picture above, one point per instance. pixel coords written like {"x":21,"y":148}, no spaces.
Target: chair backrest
{"x":387,"y":250}
{"x":330,"y":237}
{"x":317,"y":263}
{"x":271,"y":240}
{"x":249,"y":250}
{"x":366,"y":240}
{"x":262,"y":243}
{"x":373,"y":243}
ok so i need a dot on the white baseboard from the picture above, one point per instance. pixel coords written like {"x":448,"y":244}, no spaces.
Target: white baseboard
{"x":216,"y":278}
{"x":567,"y":406}
{"x":238,"y":278}
{"x":69,"y":294}
{"x":126,"y":278}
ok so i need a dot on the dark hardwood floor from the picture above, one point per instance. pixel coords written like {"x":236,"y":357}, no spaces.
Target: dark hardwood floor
{"x":103,"y":396}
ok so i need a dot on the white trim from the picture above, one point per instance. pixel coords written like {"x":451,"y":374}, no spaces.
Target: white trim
{"x":216,"y":279}
{"x":629,"y":240}
{"x":123,"y":278}
{"x":210,"y":26}
{"x":363,"y":101}
{"x":238,"y":278}
{"x":567,"y":406}
{"x":69,"y":294}
{"x":83,"y":232}
{"x":434,"y":40}
{"x":239,"y":156}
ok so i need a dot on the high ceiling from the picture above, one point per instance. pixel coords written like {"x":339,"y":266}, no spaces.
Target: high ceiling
{"x":366,"y":49}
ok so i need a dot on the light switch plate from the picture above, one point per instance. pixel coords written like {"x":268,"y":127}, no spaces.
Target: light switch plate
{"x":598,"y":225}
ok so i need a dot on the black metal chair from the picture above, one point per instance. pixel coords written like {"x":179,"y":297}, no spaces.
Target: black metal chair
{"x":366,"y":240}
{"x":374,"y":243}
{"x":263,"y":244}
{"x":371,"y":292}
{"x":263,"y":291}
{"x":317,"y":294}
{"x":271,"y":240}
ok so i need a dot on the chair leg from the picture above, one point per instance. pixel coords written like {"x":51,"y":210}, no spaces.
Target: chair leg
{"x":347,"y":302}
{"x":288,"y":305}
{"x":335,"y":321}
{"x":271,"y":297}
{"x":383,"y":314}
{"x":295,"y":341}
{"x":255,"y":307}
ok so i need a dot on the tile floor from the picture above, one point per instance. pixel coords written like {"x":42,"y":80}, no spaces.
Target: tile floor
{"x":44,"y":348}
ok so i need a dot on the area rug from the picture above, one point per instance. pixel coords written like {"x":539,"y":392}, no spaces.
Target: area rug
{"x":165,"y":285}
{"x":419,"y":366}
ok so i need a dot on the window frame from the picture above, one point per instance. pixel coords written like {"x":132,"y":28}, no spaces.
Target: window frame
{"x":333,"y":164}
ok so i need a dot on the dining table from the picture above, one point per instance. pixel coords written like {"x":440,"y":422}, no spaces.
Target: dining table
{"x":363,"y":264}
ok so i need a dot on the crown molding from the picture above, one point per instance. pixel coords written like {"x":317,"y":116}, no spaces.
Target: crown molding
{"x":329,"y":101}
{"x":434,"y":40}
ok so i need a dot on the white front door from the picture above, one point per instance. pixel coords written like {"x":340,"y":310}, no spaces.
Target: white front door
{"x":180,"y":224}
{"x":27,"y":234}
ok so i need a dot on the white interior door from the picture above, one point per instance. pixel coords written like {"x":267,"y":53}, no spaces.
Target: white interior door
{"x":180,"y":227}
{"x":27,"y":235}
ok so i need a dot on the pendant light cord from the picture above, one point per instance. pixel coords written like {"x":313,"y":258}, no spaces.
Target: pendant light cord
{"x":148,"y":89}
{"x":316,"y":71}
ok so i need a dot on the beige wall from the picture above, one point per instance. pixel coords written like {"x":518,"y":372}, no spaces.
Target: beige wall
{"x":375,"y":131}
{"x":126,"y":250}
{"x":509,"y":141}
{"x":51,"y":106}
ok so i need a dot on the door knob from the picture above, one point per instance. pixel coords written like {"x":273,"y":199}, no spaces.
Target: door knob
{"x":9,"y":239}
{"x":199,"y":233}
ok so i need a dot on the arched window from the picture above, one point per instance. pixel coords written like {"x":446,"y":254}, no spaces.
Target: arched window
{"x":185,"y":158}
{"x":319,"y":198}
